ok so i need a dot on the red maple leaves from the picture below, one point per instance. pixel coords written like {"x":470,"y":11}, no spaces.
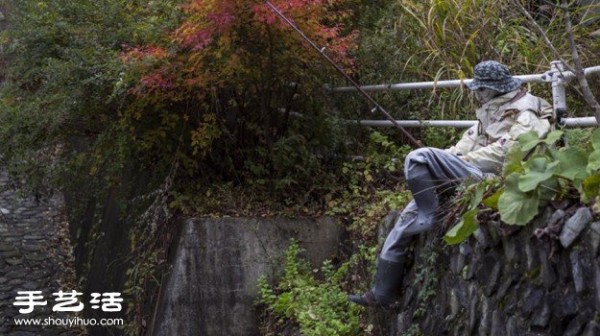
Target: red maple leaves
{"x":218,"y":39}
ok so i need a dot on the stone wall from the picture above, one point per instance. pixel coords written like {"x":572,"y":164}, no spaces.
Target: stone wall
{"x":34,"y":256}
{"x":541,"y":279}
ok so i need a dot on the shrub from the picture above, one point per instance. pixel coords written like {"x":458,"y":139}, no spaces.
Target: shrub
{"x":319,"y":307}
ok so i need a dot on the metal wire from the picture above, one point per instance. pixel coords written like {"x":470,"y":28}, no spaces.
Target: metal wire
{"x":376,"y":107}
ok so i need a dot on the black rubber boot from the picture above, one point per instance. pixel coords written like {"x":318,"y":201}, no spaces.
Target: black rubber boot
{"x":384,"y":293}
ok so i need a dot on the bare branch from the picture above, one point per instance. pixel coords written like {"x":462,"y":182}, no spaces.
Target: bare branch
{"x":588,"y":95}
{"x":543,"y":34}
{"x":578,"y":70}
{"x":554,"y":5}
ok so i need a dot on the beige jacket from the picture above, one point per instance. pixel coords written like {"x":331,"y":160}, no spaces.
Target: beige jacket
{"x":501,"y":121}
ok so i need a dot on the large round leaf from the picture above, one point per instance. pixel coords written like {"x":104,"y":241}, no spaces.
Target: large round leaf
{"x":512,"y":162}
{"x":573,"y":162}
{"x":594,"y":161}
{"x":536,"y":173}
{"x":529,"y":140}
{"x":515,"y":206}
{"x":596,"y":139}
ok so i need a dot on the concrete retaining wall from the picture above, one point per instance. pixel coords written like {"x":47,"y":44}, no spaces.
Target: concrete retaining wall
{"x":216,"y":265}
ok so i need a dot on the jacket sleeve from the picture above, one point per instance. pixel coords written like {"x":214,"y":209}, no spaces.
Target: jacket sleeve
{"x":467,"y":142}
{"x":491,"y":157}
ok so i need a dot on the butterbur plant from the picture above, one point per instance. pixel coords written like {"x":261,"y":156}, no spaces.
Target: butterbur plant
{"x":547,"y":173}
{"x":536,"y":171}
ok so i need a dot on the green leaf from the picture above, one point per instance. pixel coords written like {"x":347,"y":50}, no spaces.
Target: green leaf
{"x":596,"y":139}
{"x":572,"y":163}
{"x":548,"y":189}
{"x":461,"y":231}
{"x":529,"y":140}
{"x":492,"y":201}
{"x":513,"y":163}
{"x":593,"y":161}
{"x":553,"y":137}
{"x":591,"y":186}
{"x":477,"y":196}
{"x":515,"y":206}
{"x":536,"y":172}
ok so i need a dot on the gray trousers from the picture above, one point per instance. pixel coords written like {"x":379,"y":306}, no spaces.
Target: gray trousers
{"x":443,"y":171}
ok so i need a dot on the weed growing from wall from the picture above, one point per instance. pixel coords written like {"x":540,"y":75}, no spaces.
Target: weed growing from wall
{"x":313,"y":299}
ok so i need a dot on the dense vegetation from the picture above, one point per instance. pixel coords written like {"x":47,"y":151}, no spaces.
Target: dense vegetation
{"x":224,"y":105}
{"x":214,"y":88}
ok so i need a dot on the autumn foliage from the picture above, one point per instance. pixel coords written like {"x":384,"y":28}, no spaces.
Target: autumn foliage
{"x":221,"y":42}
{"x":225,"y":81}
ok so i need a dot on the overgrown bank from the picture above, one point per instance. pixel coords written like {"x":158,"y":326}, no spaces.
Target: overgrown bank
{"x":205,"y":97}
